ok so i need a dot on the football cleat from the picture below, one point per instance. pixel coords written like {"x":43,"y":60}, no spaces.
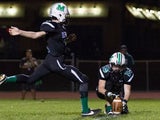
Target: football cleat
{"x":2,"y":78}
{"x":91,"y":112}
{"x":108,"y":113}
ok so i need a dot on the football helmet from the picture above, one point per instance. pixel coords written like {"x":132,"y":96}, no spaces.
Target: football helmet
{"x":117,"y":59}
{"x":59,"y":11}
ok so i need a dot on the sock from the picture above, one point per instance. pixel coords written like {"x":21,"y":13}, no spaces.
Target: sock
{"x":11,"y":79}
{"x":39,"y":82}
{"x":108,"y":108}
{"x":84,"y":102}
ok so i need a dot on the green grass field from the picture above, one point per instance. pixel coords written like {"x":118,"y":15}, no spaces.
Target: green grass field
{"x":69,"y":109}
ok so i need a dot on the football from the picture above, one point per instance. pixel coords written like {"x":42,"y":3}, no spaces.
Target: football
{"x":117,"y":105}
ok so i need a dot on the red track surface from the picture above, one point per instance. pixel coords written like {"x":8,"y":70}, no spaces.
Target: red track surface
{"x":67,"y":95}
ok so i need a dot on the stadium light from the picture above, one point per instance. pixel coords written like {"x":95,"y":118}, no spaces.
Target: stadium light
{"x":8,"y":10}
{"x":1,"y":10}
{"x":136,"y":12}
{"x":96,"y":11}
{"x":12,"y":11}
{"x":143,"y":12}
{"x":157,"y":14}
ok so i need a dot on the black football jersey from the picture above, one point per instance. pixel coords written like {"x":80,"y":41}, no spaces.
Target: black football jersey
{"x":115,"y":81}
{"x":56,"y":36}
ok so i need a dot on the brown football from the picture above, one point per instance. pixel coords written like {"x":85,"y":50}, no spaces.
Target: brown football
{"x":117,"y":105}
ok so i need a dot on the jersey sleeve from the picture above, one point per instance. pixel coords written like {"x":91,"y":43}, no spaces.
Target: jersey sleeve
{"x":47,"y":27}
{"x":128,"y":76}
{"x":103,"y":73}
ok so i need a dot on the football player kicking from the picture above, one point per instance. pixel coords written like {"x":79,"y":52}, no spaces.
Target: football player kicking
{"x":115,"y":79}
{"x":56,"y":37}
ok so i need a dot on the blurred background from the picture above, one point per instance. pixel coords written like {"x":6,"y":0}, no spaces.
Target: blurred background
{"x":101,"y":27}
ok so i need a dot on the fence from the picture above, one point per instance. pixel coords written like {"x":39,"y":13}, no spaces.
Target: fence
{"x":147,"y":75}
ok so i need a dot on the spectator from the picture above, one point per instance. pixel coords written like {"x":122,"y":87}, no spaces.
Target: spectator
{"x":27,"y":66}
{"x":129,"y":59}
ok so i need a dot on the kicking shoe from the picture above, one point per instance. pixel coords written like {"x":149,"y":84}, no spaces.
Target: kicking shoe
{"x":108,"y":113}
{"x":2,"y":78}
{"x":91,"y":112}
{"x":108,"y":110}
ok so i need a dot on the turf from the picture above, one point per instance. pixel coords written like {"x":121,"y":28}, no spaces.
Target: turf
{"x":70,"y":109}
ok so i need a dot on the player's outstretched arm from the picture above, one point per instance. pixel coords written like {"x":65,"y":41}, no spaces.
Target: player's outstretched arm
{"x":29,"y":34}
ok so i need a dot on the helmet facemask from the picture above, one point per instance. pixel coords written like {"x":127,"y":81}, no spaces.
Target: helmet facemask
{"x":117,"y":68}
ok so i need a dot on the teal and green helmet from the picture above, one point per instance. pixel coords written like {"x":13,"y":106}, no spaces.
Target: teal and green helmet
{"x":117,"y":59}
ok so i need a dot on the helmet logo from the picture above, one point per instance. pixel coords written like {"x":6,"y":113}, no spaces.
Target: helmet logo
{"x":61,"y":8}
{"x":119,"y":58}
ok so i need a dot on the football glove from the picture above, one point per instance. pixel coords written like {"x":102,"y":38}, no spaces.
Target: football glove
{"x":110,"y":95}
{"x":125,"y":107}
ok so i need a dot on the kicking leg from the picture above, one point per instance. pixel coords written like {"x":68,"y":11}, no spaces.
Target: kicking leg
{"x":40,"y":72}
{"x":75,"y":75}
{"x":2,"y":78}
{"x":20,"y":78}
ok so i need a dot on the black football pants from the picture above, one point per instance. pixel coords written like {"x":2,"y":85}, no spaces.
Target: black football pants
{"x":53,"y":64}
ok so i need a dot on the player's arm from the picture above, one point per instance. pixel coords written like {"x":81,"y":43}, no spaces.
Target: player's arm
{"x":101,"y":86}
{"x":128,"y":76}
{"x":23,"y":66}
{"x":29,"y":34}
{"x":34,"y":62}
{"x":127,"y":91}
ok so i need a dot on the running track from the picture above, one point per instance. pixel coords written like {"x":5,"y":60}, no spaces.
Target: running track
{"x":68,"y":95}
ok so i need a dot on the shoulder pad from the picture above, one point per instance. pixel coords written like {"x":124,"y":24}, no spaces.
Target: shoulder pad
{"x":104,"y":72}
{"x":128,"y":72}
{"x":47,"y":26}
{"x":105,"y":68}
